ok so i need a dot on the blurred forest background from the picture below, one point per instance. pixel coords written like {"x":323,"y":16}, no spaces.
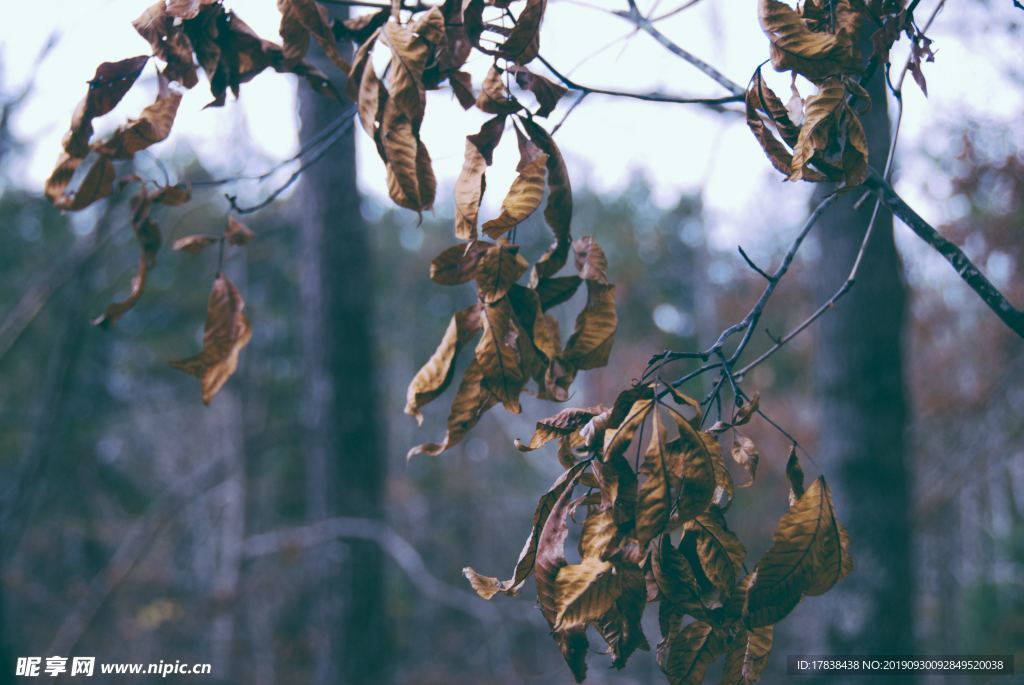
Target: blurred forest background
{"x":139,"y":525}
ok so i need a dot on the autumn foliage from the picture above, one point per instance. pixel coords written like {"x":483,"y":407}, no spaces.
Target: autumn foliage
{"x":645,"y":476}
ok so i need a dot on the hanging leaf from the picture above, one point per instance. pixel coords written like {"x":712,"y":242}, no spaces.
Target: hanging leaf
{"x":494,"y":95}
{"x":795,"y":476}
{"x":585,"y":592}
{"x":745,"y":453}
{"x":558,"y":210}
{"x":470,"y":186}
{"x":470,"y":403}
{"x":809,"y":554}
{"x":498,"y":269}
{"x":110,"y":83}
{"x":237,"y":233}
{"x":523,"y":41}
{"x":436,"y":375}
{"x":562,"y":424}
{"x":814,"y":55}
{"x":226,"y":332}
{"x":152,"y":126}
{"x":820,"y":114}
{"x":523,"y":196}
{"x":503,"y":355}
{"x":654,"y":496}
{"x":547,"y":93}
{"x":301,"y":19}
{"x":720,"y":552}
{"x":97,"y":182}
{"x":747,"y":410}
{"x":486,"y":586}
{"x":458,"y":263}
{"x":690,"y":652}
{"x":194,"y":244}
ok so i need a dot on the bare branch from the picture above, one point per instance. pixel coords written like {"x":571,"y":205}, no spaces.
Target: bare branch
{"x":967,"y":270}
{"x":641,"y":22}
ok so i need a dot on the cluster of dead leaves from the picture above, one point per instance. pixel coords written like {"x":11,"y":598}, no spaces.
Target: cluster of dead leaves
{"x":654,"y":531}
{"x":820,"y":137}
{"x":425,"y":53}
{"x":186,"y":35}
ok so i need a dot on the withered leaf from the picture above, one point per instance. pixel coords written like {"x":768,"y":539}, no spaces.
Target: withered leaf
{"x":457,"y":264}
{"x":194,"y":244}
{"x":236,"y":232}
{"x":620,"y":626}
{"x":470,"y":186}
{"x":523,"y":41}
{"x":503,"y":355}
{"x":744,"y":453}
{"x":97,"y":182}
{"x":690,"y":652}
{"x":550,"y":558}
{"x":486,"y":586}
{"x":435,"y":376}
{"x":497,"y":270}
{"x":584,"y":592}
{"x":720,"y":552}
{"x":523,"y":196}
{"x":591,"y":341}
{"x":470,"y":403}
{"x":558,"y":209}
{"x":109,"y":84}
{"x":310,"y":16}
{"x":795,"y":476}
{"x":562,"y":424}
{"x":747,"y":410}
{"x":554,"y":291}
{"x":226,"y":332}
{"x":809,"y":554}
{"x":815,"y":55}
{"x":654,"y":497}
{"x":115,"y":310}
{"x":547,"y":93}
{"x":152,"y":126}
{"x":591,"y":262}
{"x":494,"y":96}
{"x":161,"y":26}
{"x":820,"y":114}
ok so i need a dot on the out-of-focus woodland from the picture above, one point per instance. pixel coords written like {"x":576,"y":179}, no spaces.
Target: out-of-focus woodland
{"x":279,"y":532}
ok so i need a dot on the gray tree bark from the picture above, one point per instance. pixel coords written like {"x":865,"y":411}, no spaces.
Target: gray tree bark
{"x":863,"y":404}
{"x":346,"y":463}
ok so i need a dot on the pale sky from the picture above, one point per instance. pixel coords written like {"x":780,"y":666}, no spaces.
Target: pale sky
{"x":606,"y":141}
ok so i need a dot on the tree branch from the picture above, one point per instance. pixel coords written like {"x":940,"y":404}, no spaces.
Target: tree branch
{"x":641,"y":22}
{"x":965,"y":268}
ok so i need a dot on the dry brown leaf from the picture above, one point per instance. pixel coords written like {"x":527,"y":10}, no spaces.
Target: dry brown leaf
{"x":152,"y":126}
{"x":498,"y":269}
{"x":547,"y":93}
{"x":435,"y":376}
{"x":523,"y":196}
{"x":487,"y":586}
{"x":236,"y":232}
{"x":458,"y":263}
{"x":194,"y":244}
{"x":809,"y":554}
{"x":226,"y":332}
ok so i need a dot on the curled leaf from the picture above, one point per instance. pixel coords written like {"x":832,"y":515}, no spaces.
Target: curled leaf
{"x":226,"y":332}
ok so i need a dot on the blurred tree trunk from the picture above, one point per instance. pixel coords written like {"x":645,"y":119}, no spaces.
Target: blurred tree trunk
{"x":345,"y":459}
{"x":863,"y":404}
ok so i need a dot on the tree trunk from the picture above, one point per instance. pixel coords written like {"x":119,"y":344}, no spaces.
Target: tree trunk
{"x":345,"y":461}
{"x":862,"y":450}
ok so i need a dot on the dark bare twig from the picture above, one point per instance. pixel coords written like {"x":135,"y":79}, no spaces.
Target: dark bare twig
{"x":634,"y":15}
{"x":965,"y":268}
{"x":649,"y":97}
